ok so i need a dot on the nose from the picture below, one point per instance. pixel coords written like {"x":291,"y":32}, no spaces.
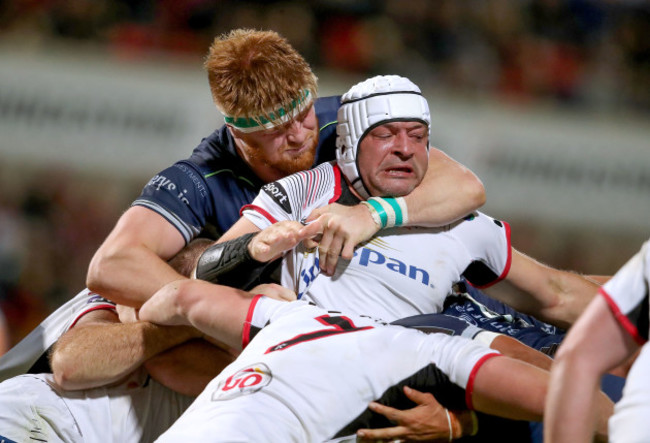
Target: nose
{"x":404,"y":147}
{"x":296,"y":133}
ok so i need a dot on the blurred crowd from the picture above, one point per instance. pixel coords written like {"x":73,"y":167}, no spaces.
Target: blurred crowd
{"x":51,"y":223}
{"x":592,"y":53}
{"x":588,"y":54}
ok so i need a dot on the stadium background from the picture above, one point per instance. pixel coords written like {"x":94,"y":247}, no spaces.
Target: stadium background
{"x":548,"y":101}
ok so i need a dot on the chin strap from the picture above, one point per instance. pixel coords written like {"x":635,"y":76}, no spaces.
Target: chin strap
{"x":230,"y":264}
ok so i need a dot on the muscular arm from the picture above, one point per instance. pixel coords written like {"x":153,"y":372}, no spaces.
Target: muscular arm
{"x":502,"y":396}
{"x":557,"y":297}
{"x":449,"y":191}
{"x":131,"y":263}
{"x":595,"y":344}
{"x":187,"y":368}
{"x":100,"y":350}
{"x":217,"y":311}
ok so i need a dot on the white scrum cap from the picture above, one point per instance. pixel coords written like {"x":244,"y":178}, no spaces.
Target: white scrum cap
{"x":373,"y":102}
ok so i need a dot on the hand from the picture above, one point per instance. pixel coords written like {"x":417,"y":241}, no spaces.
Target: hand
{"x":127,"y":314}
{"x":275,"y":291}
{"x":425,"y":422}
{"x":273,"y":241}
{"x":162,"y":308}
{"x":344,"y":228}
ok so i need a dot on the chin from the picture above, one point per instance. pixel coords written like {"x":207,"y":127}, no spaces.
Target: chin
{"x":302,"y":162}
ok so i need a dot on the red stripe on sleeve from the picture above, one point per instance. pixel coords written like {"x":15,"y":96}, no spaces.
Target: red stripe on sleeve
{"x":472,"y":376}
{"x":622,"y":318}
{"x":263,"y":212}
{"x":246,"y":333}
{"x":106,"y":306}
{"x":337,"y":184}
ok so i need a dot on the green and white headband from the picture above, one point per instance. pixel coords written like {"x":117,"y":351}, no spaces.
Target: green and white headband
{"x":277,"y":117}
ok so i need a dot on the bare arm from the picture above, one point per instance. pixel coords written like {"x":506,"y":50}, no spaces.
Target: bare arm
{"x":217,"y":311}
{"x":513,"y":348}
{"x":241,"y":227}
{"x":100,"y":350}
{"x":449,"y":191}
{"x":502,"y":396}
{"x":188,"y":367}
{"x":557,"y":297}
{"x":131,"y":263}
{"x":425,"y":422}
{"x":595,"y":344}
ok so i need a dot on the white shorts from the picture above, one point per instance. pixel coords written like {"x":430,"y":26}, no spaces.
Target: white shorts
{"x":630,"y":423}
{"x":36,"y":412}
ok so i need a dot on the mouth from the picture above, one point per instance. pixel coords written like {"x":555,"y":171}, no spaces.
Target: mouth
{"x":399,"y":171}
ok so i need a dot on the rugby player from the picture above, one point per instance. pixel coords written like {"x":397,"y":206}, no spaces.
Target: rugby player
{"x":613,"y":329}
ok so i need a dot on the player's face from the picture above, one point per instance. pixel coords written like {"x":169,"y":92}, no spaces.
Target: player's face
{"x":283,"y":150}
{"x":393,"y":158}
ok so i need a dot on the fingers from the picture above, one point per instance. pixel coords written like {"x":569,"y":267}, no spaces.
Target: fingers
{"x":275,"y":240}
{"x":330,"y":247}
{"x":382,"y":433}
{"x":333,"y":208}
{"x":313,"y":229}
{"x":420,"y":398}
{"x":316,"y":213}
{"x":388,"y":412}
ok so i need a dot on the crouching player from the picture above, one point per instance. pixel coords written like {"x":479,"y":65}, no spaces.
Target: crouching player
{"x":307,"y":374}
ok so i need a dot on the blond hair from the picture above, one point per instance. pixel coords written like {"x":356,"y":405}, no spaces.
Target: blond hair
{"x":253,"y":74}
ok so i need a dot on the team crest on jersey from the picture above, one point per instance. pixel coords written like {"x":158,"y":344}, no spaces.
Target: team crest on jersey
{"x":245,"y":381}
{"x":277,"y":192}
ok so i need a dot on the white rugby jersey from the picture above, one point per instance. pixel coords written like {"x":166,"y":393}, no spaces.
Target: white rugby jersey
{"x":627,"y":294}
{"x":275,"y":390}
{"x":137,"y":409}
{"x":401,"y":271}
{"x":20,"y":358}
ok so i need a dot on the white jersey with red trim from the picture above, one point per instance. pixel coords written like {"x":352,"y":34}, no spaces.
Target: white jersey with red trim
{"x":33,"y":408}
{"x":274,"y":391}
{"x":20,"y":358}
{"x":627,"y":294}
{"x":401,"y":271}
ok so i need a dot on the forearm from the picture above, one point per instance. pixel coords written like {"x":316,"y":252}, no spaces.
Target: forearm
{"x":187,"y":368}
{"x":574,"y":407}
{"x":128,"y":276}
{"x":448,"y":192}
{"x":217,"y":311}
{"x":130,"y":266}
{"x":571,"y":294}
{"x":502,"y":396}
{"x":103,"y":353}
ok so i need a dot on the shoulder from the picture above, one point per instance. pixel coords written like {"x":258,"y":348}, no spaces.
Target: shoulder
{"x":326,"y":109}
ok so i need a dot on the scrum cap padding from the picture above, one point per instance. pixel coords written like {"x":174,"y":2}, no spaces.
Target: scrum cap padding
{"x":372,"y":102}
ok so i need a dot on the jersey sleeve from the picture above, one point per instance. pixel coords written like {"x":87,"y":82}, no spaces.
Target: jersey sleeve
{"x":487,"y":240}
{"x":627,"y":295}
{"x":181,"y":195}
{"x":92,"y":303}
{"x":261,"y":312}
{"x":294,"y":197}
{"x":461,"y":359}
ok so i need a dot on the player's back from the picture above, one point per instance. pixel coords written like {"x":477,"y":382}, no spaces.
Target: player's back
{"x":316,"y":371}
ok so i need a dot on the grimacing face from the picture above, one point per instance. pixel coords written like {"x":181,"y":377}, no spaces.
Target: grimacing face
{"x":283,"y":150}
{"x":393,"y":158}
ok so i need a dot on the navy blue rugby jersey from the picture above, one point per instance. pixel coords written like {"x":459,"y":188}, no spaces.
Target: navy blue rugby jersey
{"x":210,"y":187}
